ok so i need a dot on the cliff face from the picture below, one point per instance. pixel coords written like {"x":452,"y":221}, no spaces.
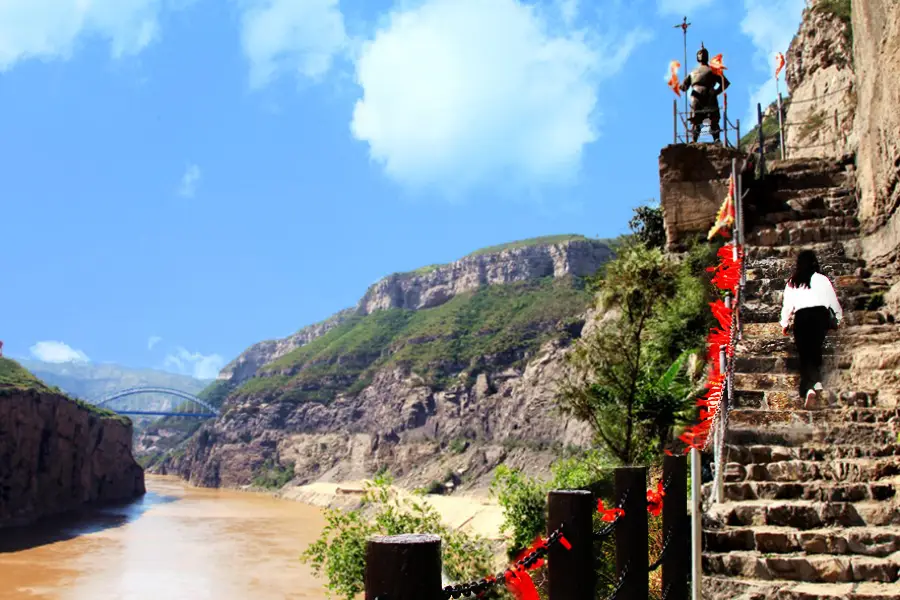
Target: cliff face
{"x":438,"y":284}
{"x":420,"y":434}
{"x":820,"y":76}
{"x":56,"y":456}
{"x":434,"y":286}
{"x":876,"y":52}
{"x":437,"y":375}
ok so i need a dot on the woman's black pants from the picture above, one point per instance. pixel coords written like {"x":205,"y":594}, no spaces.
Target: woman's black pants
{"x":810,"y":327}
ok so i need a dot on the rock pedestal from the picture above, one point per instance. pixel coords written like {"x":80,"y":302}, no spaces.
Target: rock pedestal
{"x":693,"y":182}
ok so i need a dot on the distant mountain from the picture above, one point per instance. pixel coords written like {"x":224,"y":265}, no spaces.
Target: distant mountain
{"x":93,"y":382}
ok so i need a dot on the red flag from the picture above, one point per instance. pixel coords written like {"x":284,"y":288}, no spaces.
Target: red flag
{"x":521,"y":586}
{"x":673,"y":77}
{"x":715,"y":64}
{"x":779,"y":63}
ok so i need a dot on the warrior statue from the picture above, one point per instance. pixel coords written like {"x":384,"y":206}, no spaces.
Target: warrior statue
{"x":703,"y":83}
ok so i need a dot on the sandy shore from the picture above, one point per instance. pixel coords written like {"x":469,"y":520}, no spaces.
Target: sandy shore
{"x":477,"y":515}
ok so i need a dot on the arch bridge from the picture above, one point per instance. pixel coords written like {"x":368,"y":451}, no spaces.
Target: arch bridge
{"x":207,"y":412}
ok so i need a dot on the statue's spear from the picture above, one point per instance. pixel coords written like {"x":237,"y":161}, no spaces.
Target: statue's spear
{"x":684,"y":27}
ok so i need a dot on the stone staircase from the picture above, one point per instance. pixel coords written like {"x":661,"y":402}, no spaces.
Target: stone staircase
{"x":812,"y":507}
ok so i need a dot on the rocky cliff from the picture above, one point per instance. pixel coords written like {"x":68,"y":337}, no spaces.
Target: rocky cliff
{"x":57,"y":455}
{"x":553,"y":256}
{"x":820,"y":76}
{"x":437,"y":375}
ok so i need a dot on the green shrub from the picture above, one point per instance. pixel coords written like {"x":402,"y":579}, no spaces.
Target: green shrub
{"x":273,"y":475}
{"x":339,"y":553}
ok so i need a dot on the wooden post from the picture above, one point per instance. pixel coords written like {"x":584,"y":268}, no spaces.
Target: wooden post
{"x":675,"y":121}
{"x":632,"y":534}
{"x":571,"y":572}
{"x":404,"y":567}
{"x":762,"y":140}
{"x":676,"y":564}
{"x":737,"y":128}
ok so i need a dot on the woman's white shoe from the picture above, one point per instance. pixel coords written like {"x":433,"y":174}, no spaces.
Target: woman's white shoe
{"x":810,"y":399}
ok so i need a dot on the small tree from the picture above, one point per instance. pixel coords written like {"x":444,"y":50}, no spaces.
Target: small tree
{"x":648,"y":226}
{"x":609,"y":368}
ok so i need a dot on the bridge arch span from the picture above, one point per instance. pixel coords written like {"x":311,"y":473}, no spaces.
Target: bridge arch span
{"x":151,"y":389}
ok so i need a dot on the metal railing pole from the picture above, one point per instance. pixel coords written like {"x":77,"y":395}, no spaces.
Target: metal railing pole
{"x":780,"y":128}
{"x":737,"y":127}
{"x":762,"y":141}
{"x":675,"y":121}
{"x":836,"y":131}
{"x":696,"y":528}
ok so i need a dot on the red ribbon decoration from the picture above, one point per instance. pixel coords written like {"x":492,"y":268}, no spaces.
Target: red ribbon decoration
{"x":520,"y":585}
{"x":655,"y":499}
{"x":609,"y":514}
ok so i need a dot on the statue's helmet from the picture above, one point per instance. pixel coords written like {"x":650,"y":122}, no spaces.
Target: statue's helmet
{"x":702,"y":55}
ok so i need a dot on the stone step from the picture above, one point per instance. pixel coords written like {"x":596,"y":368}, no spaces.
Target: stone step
{"x":852,"y":284}
{"x":824,"y":229}
{"x":773,"y":330}
{"x":798,"y":212}
{"x":823,"y":417}
{"x":835,"y":343}
{"x":783,"y":267}
{"x":812,"y":490}
{"x":804,"y":514}
{"x":825,"y":251}
{"x":791,"y":400}
{"x":761,"y":454}
{"x":863,"y":434}
{"x":818,"y":568}
{"x":846,"y":470}
{"x":732,"y":588}
{"x":787,"y":166}
{"x":778,"y":364}
{"x":863,"y":541}
{"x":753,"y":311}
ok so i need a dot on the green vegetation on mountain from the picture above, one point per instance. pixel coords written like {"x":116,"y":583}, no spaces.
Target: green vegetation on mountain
{"x":495,"y":325}
{"x":769,"y":128}
{"x":545,"y":240}
{"x":14,"y":378}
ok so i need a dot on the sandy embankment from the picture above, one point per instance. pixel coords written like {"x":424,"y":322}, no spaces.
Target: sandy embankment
{"x":469,"y":513}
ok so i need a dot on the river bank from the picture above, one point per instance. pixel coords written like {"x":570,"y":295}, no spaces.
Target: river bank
{"x":476,"y":514}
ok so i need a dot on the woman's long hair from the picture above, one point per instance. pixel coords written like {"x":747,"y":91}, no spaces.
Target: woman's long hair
{"x":807,"y":265}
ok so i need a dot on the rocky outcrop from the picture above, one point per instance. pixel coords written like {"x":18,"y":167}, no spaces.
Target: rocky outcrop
{"x":820,"y":76}
{"x":439,"y":284}
{"x":57,"y":456}
{"x":419,"y":433}
{"x":435,"y":285}
{"x":258,"y":355}
{"x":693,"y":182}
{"x":876,"y":52}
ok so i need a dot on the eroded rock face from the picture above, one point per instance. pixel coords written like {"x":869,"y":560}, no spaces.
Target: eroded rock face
{"x":876,"y":51}
{"x":819,"y":73}
{"x":56,"y":456}
{"x":430,"y":288}
{"x":397,"y":422}
{"x":433,"y":288}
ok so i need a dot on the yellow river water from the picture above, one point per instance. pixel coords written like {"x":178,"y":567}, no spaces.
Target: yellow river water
{"x":175,"y":543}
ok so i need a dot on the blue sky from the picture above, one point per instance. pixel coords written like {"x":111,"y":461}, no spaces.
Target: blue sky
{"x":183,"y":178}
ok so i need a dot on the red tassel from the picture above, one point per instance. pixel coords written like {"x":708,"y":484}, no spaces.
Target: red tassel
{"x":564,"y":542}
{"x":609,"y":514}
{"x":521,"y":586}
{"x":655,"y":499}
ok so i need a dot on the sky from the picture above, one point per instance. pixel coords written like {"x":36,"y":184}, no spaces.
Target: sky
{"x":180,"y":179}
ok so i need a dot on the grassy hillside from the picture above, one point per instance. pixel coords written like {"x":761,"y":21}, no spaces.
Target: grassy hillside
{"x":495,"y":325}
{"x":14,"y":377}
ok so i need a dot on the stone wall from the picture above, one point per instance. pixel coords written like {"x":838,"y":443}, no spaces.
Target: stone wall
{"x":693,"y":182}
{"x":876,"y":50}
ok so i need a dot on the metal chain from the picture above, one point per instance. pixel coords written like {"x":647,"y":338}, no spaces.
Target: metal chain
{"x":621,"y":582}
{"x":662,"y":553}
{"x":485,"y":583}
{"x":813,"y":99}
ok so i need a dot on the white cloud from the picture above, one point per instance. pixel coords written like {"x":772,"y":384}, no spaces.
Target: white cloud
{"x":461,"y":92}
{"x":50,"y":29}
{"x":291,"y":36}
{"x":195,"y":364}
{"x":681,"y":7}
{"x":770,"y":25}
{"x":189,"y":181}
{"x":57,"y":352}
{"x":152,"y":341}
